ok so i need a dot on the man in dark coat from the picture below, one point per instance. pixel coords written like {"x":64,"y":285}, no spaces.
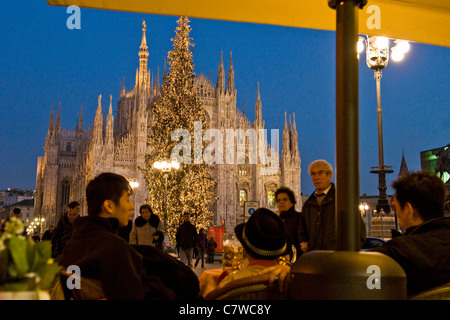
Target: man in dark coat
{"x":103,"y":255}
{"x":317,"y":227}
{"x":423,"y":251}
{"x":63,"y":230}
{"x":48,"y":234}
{"x":186,"y":238}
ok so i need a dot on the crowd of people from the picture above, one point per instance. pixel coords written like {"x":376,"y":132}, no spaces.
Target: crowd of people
{"x":130,"y":258}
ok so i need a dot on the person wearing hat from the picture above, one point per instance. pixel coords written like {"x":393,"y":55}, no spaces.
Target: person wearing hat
{"x":264,"y":239}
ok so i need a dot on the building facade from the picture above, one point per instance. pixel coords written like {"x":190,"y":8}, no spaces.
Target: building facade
{"x":75,"y":156}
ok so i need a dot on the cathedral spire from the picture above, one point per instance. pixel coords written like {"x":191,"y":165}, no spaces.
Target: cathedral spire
{"x":258,"y":110}
{"x":110,"y":105}
{"x":109,"y":123}
{"x":98,"y":123}
{"x":51,"y":126}
{"x":81,"y":118}
{"x":143,"y":46}
{"x":123,"y":90}
{"x":143,"y":59}
{"x":403,"y":167}
{"x":220,"y":86}
{"x":158,"y":83}
{"x":99,"y":106}
{"x":294,"y":139}
{"x":286,"y":139}
{"x":79,"y":129}
{"x":51,"y":123}
{"x":58,"y":121}
{"x":230,"y":85}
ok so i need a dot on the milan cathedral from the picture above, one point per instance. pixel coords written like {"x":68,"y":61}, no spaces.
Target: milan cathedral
{"x":75,"y":156}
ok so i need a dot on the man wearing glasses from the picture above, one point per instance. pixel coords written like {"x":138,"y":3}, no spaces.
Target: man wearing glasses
{"x":317,"y":227}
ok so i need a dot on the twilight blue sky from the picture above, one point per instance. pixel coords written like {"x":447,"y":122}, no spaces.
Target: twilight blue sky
{"x":42,"y":61}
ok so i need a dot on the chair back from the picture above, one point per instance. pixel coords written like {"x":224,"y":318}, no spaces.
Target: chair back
{"x":89,"y":289}
{"x":437,"y":293}
{"x":249,"y":288}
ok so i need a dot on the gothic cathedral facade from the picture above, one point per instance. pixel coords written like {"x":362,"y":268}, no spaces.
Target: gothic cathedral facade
{"x":75,"y":156}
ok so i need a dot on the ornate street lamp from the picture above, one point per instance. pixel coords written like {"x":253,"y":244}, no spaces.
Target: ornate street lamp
{"x":166,"y":167}
{"x":134,"y":184}
{"x":377,"y":58}
{"x":363,"y":207}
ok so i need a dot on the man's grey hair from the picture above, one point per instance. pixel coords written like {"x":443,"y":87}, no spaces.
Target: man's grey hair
{"x":322,"y":164}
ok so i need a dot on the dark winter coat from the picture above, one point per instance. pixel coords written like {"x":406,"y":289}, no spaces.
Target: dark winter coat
{"x":424,"y":254}
{"x":61,"y":235}
{"x":186,"y":236}
{"x":48,"y":235}
{"x":212,"y":245}
{"x":102,"y":255}
{"x":318,"y":223}
{"x":202,"y":241}
{"x":172,"y":272}
{"x":291,"y":219}
{"x":124,"y":232}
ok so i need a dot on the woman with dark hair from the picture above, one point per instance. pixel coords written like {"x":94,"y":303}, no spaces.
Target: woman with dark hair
{"x":285,"y":200}
{"x":145,"y":226}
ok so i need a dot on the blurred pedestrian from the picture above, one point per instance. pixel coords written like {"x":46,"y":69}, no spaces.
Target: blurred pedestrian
{"x":186,"y":237}
{"x":423,"y":251}
{"x":145,"y":226}
{"x":48,"y":234}
{"x":63,"y":230}
{"x":36,"y":237}
{"x":202,"y":244}
{"x":212,"y":245}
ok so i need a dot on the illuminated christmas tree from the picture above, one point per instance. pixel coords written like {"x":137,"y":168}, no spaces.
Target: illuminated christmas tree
{"x":190,"y":188}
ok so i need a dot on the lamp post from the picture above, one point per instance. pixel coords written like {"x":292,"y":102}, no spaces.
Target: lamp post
{"x":377,"y":58}
{"x":134,"y":184}
{"x":166,"y":167}
{"x":363,"y":207}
